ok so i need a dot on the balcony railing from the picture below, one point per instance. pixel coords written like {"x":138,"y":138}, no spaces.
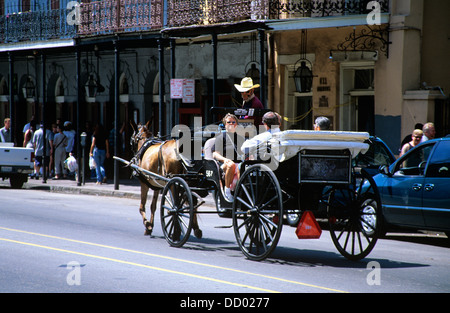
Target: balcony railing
{"x":203,"y":12}
{"x":33,"y":26}
{"x":194,"y":12}
{"x":113,"y":16}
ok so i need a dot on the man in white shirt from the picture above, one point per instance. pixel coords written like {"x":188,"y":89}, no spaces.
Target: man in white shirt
{"x":38,"y":143}
{"x":271,"y":122}
{"x":5,"y":132}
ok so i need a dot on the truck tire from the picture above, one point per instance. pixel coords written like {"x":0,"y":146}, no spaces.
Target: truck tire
{"x":17,"y":181}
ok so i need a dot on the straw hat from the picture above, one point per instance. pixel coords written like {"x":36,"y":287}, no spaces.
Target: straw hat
{"x":246,"y":85}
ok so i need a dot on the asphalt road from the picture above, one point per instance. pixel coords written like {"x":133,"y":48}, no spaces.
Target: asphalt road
{"x":60,"y":243}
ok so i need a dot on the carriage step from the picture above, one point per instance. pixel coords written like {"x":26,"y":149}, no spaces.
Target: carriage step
{"x":223,"y":226}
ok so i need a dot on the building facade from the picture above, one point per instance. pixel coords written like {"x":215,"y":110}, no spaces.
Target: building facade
{"x":376,"y":66}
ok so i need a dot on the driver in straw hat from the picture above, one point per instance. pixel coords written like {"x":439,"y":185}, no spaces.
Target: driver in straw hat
{"x":247,"y":90}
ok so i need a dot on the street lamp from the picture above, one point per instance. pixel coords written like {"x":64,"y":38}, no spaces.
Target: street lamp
{"x":29,"y":89}
{"x":253,"y":72}
{"x":91,"y":88}
{"x":303,"y":77}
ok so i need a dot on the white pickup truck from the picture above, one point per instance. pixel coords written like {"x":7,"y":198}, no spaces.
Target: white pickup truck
{"x":16,"y":163}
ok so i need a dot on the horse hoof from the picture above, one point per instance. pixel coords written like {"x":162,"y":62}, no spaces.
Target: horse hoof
{"x":148,"y":232}
{"x":198,"y":233}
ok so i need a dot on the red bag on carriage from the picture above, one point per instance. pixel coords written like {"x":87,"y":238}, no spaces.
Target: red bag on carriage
{"x":235,"y":177}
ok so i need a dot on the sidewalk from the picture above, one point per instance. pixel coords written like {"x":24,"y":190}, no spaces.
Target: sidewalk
{"x":128,"y":188}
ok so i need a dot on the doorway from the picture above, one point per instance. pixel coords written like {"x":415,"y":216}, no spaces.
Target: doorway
{"x":357,"y":97}
{"x":363,"y":110}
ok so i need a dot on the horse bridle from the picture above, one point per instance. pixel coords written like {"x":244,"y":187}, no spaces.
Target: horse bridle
{"x":135,"y":138}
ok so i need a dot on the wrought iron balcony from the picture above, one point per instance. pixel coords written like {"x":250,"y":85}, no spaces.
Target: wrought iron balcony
{"x":204,"y":12}
{"x":33,"y":26}
{"x":93,"y":18}
{"x":111,"y":16}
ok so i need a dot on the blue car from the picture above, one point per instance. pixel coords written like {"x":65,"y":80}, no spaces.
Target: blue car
{"x":415,"y":189}
{"x":377,"y":156}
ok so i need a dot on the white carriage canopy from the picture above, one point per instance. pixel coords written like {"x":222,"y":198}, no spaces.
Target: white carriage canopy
{"x":286,"y":144}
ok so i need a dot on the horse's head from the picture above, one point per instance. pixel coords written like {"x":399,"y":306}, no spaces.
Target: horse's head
{"x":140,"y":134}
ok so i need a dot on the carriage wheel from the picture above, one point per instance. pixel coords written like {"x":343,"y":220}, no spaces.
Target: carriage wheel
{"x":177,"y":212}
{"x":354,"y":218}
{"x":257,"y":212}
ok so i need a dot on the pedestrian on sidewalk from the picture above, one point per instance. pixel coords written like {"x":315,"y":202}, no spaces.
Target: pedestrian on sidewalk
{"x":100,"y":151}
{"x":70,"y":134}
{"x":60,"y":143}
{"x":29,"y":133}
{"x":38,"y":142}
{"x":5,"y":132}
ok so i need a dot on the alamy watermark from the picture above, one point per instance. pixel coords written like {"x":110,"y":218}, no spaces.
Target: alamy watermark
{"x":374,"y":17}
{"x":74,"y":15}
{"x":74,"y":276}
{"x":374,"y":276}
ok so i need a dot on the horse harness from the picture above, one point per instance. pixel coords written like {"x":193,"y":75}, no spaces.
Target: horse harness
{"x":140,"y":154}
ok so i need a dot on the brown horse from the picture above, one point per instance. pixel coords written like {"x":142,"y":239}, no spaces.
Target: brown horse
{"x":160,"y":158}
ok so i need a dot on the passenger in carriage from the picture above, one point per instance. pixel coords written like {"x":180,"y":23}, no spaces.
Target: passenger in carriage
{"x":322,"y":123}
{"x":226,"y":150}
{"x":271,"y":122}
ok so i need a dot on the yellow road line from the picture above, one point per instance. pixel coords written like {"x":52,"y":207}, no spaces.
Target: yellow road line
{"x":172,"y":259}
{"x":138,"y":264}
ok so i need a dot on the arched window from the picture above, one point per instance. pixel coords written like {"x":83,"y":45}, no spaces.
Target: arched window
{"x":59,"y":91}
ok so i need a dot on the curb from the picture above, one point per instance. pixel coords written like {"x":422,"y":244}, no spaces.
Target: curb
{"x":93,"y":192}
{"x":105,"y":190}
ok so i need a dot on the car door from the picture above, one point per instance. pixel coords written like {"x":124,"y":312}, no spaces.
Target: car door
{"x":436,"y":188}
{"x":402,"y":192}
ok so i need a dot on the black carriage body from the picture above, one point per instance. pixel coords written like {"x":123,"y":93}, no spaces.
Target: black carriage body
{"x":304,"y":177}
{"x":202,"y":176}
{"x":330,"y":167}
{"x":325,"y":167}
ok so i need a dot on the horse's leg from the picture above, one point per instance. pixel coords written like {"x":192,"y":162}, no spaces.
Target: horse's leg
{"x":197,"y":231}
{"x":144,"y":192}
{"x":153,"y":209}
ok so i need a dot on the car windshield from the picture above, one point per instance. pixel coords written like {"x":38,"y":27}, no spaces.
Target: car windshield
{"x":376,"y":156}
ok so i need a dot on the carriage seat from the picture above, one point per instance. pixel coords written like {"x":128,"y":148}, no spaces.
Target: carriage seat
{"x":207,"y":149}
{"x":208,"y":155}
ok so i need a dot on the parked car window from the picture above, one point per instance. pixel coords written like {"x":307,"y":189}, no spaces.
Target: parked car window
{"x":440,"y":161}
{"x":413,"y":162}
{"x":376,"y":156}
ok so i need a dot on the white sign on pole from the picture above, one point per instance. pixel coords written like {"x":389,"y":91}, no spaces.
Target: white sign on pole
{"x":183,"y":89}
{"x":189,"y":91}
{"x":176,"y":88}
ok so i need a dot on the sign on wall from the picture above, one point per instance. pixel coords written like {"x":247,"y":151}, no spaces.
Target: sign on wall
{"x":183,"y":89}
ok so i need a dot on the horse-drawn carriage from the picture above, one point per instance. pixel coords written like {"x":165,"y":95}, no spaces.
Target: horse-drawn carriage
{"x":299,"y":171}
